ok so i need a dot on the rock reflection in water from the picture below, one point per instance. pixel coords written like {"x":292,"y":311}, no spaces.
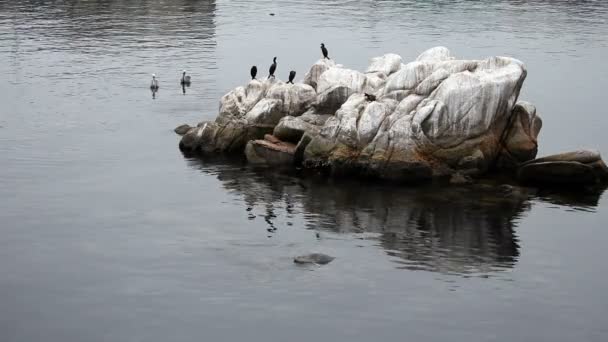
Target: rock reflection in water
{"x":448,"y":229}
{"x":453,"y":229}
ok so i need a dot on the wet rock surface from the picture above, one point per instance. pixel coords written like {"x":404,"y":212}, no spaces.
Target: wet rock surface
{"x":578,"y":167}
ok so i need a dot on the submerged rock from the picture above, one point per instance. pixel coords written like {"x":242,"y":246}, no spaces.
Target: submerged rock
{"x":578,"y":167}
{"x":313,"y":258}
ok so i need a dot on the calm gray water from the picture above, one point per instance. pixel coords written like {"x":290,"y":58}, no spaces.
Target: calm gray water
{"x":108,"y":233}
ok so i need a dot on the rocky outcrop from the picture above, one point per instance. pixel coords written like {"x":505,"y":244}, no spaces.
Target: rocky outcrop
{"x":578,"y":167}
{"x":435,"y":116}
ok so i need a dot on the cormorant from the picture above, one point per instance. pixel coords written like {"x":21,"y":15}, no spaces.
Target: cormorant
{"x":324,"y":50}
{"x":370,"y":97}
{"x":185,"y":79}
{"x":154,"y":83}
{"x":273,"y":67}
{"x":254,"y":71}
{"x":292,"y":75}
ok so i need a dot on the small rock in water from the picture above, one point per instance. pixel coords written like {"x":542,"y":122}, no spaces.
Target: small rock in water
{"x":182,"y":129}
{"x":313,"y":258}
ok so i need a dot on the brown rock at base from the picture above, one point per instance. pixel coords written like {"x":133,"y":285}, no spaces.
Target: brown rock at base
{"x":577,"y":167}
{"x":270,"y":151}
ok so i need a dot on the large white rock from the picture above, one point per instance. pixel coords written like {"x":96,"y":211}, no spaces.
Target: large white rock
{"x":312,"y":76}
{"x":386,"y":64}
{"x":436,"y":54}
{"x":250,"y":112}
{"x":434,"y":116}
{"x":336,"y":85}
{"x":437,"y":114}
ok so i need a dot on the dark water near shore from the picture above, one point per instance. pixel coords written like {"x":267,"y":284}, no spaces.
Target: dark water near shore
{"x":108,"y":233}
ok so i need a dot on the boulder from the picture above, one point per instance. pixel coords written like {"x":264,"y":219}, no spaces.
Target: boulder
{"x":436,"y":54}
{"x":520,"y":137}
{"x":578,"y":167}
{"x":312,"y":76}
{"x":270,"y":151}
{"x":386,"y":64}
{"x":247,"y":113}
{"x":451,"y":118}
{"x":182,"y":129}
{"x":313,"y":258}
{"x":292,"y":128}
{"x":336,"y":85}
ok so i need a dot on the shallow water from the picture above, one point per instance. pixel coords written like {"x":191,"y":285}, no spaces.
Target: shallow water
{"x":108,"y":233}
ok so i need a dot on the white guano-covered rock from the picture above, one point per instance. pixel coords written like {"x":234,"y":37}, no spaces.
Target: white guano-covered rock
{"x":336,"y":85}
{"x":250,"y":112}
{"x":436,"y":115}
{"x":436,"y":54}
{"x":312,"y":76}
{"x":386,"y":64}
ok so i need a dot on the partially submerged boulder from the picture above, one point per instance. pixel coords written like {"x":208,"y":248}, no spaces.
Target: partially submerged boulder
{"x":578,"y":167}
{"x":313,"y":258}
{"x":270,"y":151}
{"x":312,"y":76}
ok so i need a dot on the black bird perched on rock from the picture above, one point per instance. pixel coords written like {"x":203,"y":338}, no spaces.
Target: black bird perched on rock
{"x":324,"y":50}
{"x":370,"y":97}
{"x":254,"y":71}
{"x":292,"y":75}
{"x":273,"y":67}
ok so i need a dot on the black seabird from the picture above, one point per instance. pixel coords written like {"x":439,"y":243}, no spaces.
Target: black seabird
{"x":273,"y":67}
{"x":254,"y":71}
{"x":292,"y":75}
{"x":324,"y":50}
